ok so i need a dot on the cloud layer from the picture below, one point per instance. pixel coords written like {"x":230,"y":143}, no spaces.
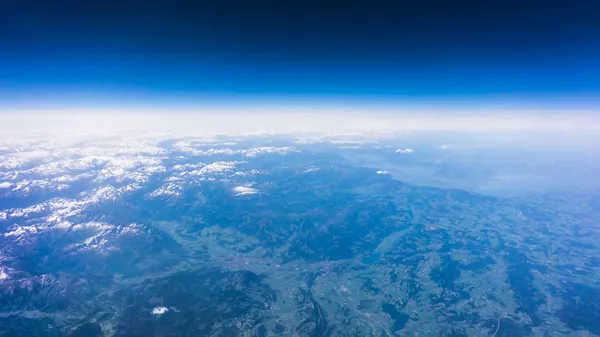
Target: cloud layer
{"x":285,"y":120}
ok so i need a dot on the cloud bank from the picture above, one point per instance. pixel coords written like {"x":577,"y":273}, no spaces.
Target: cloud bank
{"x":293,"y":120}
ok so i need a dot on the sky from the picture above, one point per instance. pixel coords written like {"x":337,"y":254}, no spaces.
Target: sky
{"x":123,"y":53}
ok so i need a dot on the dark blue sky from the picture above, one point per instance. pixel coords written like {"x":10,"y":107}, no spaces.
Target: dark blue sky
{"x":123,"y":51}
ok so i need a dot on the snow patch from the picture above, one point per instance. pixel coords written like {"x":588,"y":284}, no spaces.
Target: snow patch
{"x":311,"y":169}
{"x":19,"y":159}
{"x":171,"y":189}
{"x":404,"y":151}
{"x":131,"y":229}
{"x":21,"y":230}
{"x":269,"y":150}
{"x":216,"y":167}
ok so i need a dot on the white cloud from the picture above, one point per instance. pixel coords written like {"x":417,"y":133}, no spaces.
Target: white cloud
{"x":445,"y":146}
{"x":3,"y":274}
{"x":159,"y":310}
{"x":404,"y":151}
{"x":244,"y":190}
{"x":6,"y":184}
{"x":382,"y":172}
